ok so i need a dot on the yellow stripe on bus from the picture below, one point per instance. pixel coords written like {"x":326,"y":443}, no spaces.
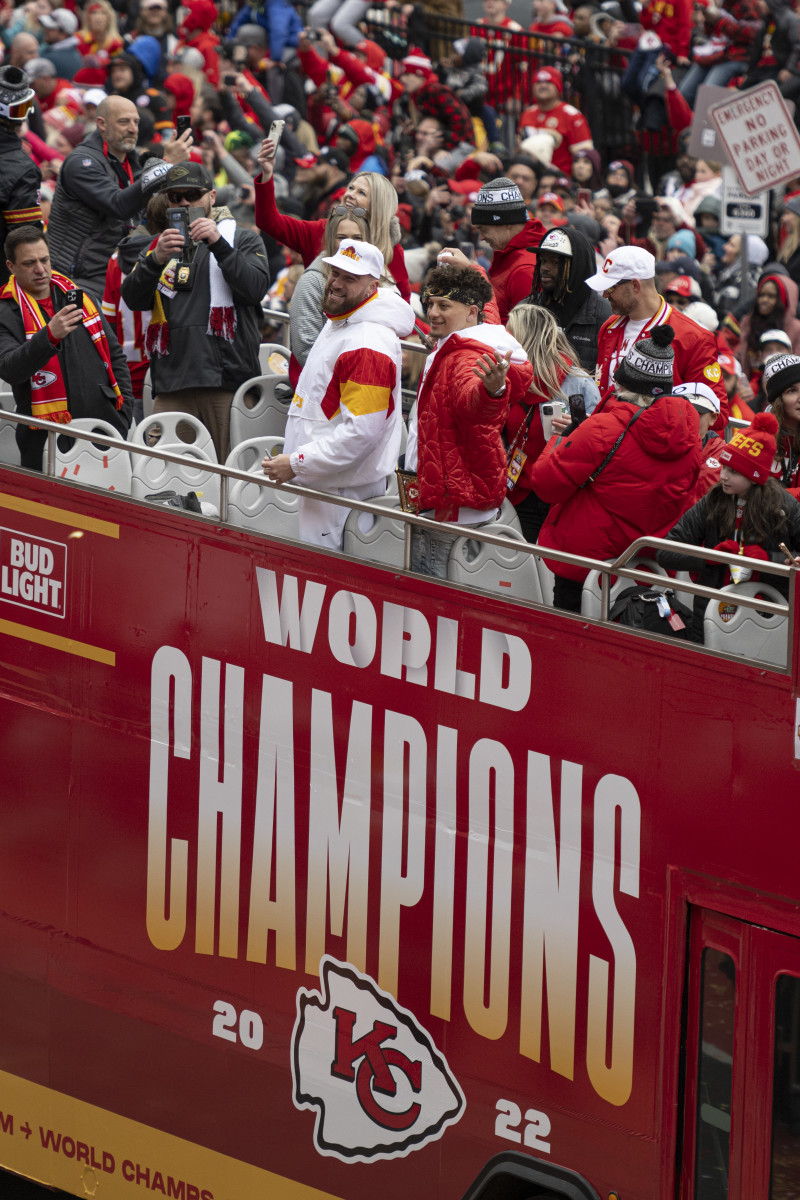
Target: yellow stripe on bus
{"x":99,"y":1152}
{"x":56,"y":642}
{"x":61,"y":516}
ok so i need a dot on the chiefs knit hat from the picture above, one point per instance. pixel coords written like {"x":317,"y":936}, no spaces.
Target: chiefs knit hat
{"x":647,"y":367}
{"x":780,"y":372}
{"x":499,"y":202}
{"x":550,"y":75}
{"x":751,"y":451}
{"x":416,"y":63}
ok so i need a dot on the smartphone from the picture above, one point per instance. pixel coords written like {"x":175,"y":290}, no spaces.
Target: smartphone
{"x":239,"y":55}
{"x":182,"y":124}
{"x":176,"y":219}
{"x":583,"y":196}
{"x":554,"y":409}
{"x":276,"y":132}
{"x":74,"y":296}
{"x":229,"y":80}
{"x":577,"y":408}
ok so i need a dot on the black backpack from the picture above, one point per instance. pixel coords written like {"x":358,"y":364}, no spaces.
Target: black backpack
{"x":638,"y":607}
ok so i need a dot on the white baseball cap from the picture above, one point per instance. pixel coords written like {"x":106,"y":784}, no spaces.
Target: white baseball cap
{"x":626,"y":262}
{"x":776,"y":335}
{"x":357,"y":258}
{"x":699,"y":395}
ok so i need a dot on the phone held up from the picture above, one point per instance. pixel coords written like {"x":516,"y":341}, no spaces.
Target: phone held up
{"x":275,"y":133}
{"x":74,"y":296}
{"x":182,"y":124}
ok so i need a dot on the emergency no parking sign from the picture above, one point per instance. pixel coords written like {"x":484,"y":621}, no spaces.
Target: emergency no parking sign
{"x":760,"y":137}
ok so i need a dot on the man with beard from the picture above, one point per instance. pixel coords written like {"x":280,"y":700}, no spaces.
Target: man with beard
{"x":344,"y":426}
{"x":627,"y":280}
{"x":564,"y":259}
{"x":205,"y":294}
{"x":101,"y":188}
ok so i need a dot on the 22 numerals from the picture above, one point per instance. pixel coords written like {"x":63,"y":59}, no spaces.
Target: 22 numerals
{"x":247,"y":1027}
{"x":537,"y":1126}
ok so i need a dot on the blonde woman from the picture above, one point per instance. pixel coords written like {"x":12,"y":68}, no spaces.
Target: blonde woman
{"x":557,"y":375}
{"x":368,"y":195}
{"x":99,"y":33}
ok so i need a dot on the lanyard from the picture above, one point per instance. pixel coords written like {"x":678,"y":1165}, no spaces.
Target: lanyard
{"x":121,"y":168}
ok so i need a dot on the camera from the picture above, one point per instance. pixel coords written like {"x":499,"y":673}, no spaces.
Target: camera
{"x":229,"y":79}
{"x":555,"y":408}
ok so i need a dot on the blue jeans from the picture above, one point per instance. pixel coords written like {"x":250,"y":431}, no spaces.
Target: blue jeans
{"x":430,"y":551}
{"x":718,"y":75}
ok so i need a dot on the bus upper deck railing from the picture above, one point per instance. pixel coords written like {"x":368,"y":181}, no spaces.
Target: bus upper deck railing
{"x":619,"y":567}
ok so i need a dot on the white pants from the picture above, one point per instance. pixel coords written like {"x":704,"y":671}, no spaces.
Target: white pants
{"x":323,"y":524}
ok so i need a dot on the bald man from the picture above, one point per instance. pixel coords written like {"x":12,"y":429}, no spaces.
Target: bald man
{"x":101,"y":191}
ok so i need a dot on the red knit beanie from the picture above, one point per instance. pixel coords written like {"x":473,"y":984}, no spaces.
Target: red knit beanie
{"x":751,"y":451}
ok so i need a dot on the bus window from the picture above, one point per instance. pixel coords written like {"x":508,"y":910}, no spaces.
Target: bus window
{"x":785,"y":1161}
{"x":715,"y":1076}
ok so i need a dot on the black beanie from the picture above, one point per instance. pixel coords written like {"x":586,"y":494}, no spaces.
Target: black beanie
{"x":647,"y":367}
{"x":780,"y":372}
{"x":499,"y":202}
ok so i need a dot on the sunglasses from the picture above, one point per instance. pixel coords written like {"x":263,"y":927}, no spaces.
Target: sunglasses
{"x":190,"y":196}
{"x":344,"y":210}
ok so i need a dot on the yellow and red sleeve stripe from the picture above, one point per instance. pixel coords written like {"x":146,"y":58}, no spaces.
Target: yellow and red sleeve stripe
{"x":365,"y":382}
{"x":22,"y":216}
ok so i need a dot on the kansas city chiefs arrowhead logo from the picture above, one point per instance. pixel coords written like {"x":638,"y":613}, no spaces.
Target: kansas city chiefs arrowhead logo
{"x":378,"y":1084}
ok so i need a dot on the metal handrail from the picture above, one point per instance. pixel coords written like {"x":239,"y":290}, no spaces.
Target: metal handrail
{"x":605,"y":569}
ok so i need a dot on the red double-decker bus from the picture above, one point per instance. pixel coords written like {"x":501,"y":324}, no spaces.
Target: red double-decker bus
{"x":322,"y":879}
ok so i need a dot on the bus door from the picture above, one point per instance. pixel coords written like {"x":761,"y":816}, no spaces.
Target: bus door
{"x":741,"y":1128}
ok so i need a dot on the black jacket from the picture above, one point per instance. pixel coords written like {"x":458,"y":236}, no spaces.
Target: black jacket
{"x":92,"y":212}
{"x":89,"y":394}
{"x":196,"y":358}
{"x":696,"y":529}
{"x":20,"y":180}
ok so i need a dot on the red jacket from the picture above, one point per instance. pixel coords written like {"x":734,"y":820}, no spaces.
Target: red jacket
{"x":643,"y":490}
{"x":672,"y":21}
{"x":461,"y":460}
{"x":511,"y":272}
{"x":695,"y":354}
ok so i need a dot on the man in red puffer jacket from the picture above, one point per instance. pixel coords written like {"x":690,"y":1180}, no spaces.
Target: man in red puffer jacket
{"x":454,"y":440}
{"x":626,"y":472}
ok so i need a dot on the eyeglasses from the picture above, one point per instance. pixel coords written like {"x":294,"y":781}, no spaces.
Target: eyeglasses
{"x":190,"y":196}
{"x":344,"y":210}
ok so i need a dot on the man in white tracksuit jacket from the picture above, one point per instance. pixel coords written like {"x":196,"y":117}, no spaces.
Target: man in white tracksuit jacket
{"x":344,"y":427}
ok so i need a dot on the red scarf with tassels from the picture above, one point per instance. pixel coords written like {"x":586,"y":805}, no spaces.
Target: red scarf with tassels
{"x":49,"y":400}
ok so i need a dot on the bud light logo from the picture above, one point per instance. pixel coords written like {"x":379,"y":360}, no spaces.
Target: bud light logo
{"x":378,"y":1084}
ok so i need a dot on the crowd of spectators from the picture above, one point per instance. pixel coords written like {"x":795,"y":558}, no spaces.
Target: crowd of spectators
{"x":530,"y":156}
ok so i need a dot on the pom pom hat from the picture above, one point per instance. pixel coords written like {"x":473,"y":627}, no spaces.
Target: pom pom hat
{"x":780,"y":372}
{"x":647,"y":367}
{"x":751,"y":451}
